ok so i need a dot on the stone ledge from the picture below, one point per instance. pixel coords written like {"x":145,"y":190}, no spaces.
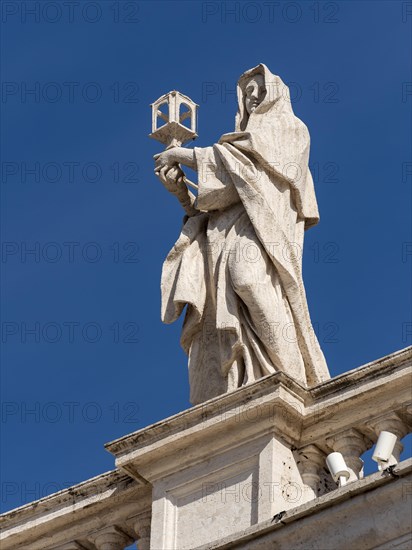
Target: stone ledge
{"x":74,"y":512}
{"x":389,"y":362}
{"x":302,"y":416}
{"x":278,"y":533}
{"x":95,"y":485}
{"x":212,"y":408}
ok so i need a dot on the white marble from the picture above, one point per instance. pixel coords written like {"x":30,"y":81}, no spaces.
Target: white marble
{"x":243,"y":470}
{"x":246,"y":456}
{"x":237,"y":263}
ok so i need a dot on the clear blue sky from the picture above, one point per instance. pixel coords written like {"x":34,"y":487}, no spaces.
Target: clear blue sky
{"x":78,"y":188}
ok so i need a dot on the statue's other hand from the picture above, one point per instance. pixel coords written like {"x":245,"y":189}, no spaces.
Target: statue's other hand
{"x":164,"y":159}
{"x":172,"y":178}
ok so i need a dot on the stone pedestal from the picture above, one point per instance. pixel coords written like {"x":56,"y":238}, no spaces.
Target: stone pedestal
{"x":236,"y":488}
{"x":250,"y":456}
{"x":222,"y":466}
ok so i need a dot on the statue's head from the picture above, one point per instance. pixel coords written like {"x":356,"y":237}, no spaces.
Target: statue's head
{"x":260,"y":93}
{"x":255,"y":91}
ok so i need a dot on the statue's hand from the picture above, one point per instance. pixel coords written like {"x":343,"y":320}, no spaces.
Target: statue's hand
{"x":165,"y":159}
{"x":173,"y":156}
{"x":172,"y":179}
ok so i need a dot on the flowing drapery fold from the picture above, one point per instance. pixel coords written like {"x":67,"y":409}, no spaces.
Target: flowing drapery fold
{"x":238,"y":263}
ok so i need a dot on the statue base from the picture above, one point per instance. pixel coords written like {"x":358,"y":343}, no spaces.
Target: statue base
{"x":252,"y":455}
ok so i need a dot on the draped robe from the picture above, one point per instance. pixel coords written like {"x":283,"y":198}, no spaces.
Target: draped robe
{"x":237,"y":264}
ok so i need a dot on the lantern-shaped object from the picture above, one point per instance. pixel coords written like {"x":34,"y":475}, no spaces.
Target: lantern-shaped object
{"x":173,"y":108}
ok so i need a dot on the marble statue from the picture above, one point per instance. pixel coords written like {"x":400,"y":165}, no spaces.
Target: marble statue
{"x":237,"y":264}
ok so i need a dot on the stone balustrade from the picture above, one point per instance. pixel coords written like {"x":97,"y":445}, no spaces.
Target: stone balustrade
{"x":108,"y":512}
{"x":225,"y":466}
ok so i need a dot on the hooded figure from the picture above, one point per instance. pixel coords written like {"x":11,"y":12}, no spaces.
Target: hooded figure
{"x":237,"y":264}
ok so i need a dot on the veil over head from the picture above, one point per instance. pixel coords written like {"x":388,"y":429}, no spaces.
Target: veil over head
{"x":277,"y":139}
{"x":277,"y":96}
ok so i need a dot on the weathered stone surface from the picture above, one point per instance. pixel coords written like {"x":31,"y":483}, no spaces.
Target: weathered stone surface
{"x":242,"y":458}
{"x":72,"y":519}
{"x":370,"y":514}
{"x":238,"y":261}
{"x":244,"y":470}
